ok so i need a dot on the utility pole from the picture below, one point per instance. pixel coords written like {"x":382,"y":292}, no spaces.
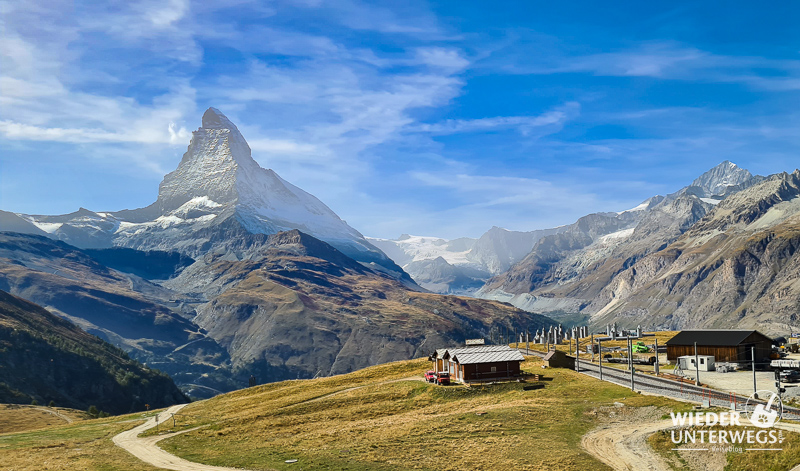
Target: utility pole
{"x":600,"y":353}
{"x":592,"y":348}
{"x":527,"y":342}
{"x":656,"y":356}
{"x":753,"y":356}
{"x":577,"y":354}
{"x":696,"y":367}
{"x":630,"y":361}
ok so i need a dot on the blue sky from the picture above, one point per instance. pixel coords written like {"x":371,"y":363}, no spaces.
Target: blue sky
{"x":441,"y":118}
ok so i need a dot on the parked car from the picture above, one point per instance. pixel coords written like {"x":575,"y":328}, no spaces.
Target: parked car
{"x":430,"y":376}
{"x":790,"y":376}
{"x":442,"y":378}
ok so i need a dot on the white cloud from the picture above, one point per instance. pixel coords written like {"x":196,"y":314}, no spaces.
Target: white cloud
{"x":165,"y":15}
{"x":445,"y":58}
{"x":553,"y":120}
{"x":18,"y":131}
{"x":669,"y":60}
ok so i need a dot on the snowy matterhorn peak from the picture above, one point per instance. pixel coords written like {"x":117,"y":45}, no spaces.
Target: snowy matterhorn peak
{"x":216,"y":196}
{"x":218,"y":172}
{"x":218,"y":156}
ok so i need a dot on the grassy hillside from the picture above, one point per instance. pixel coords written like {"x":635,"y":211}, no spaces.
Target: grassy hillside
{"x":22,"y":418}
{"x":384,"y":418}
{"x":379,"y":418}
{"x":84,"y":445}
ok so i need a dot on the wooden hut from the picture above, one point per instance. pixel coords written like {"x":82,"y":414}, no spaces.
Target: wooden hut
{"x":724,"y":345}
{"x":478,"y":363}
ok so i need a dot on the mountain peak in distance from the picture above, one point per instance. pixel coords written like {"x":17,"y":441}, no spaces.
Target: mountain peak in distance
{"x":717,"y":180}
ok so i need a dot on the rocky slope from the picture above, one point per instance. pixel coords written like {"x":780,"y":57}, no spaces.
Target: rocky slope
{"x":45,"y":358}
{"x":297,"y":307}
{"x":566,"y":272}
{"x":737,"y":266}
{"x":498,"y":249}
{"x":150,"y":322}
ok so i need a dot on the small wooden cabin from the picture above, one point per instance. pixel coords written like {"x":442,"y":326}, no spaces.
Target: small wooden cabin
{"x":558,"y":359}
{"x":478,"y":363}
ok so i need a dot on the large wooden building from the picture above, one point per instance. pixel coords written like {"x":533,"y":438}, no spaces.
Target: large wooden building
{"x":478,"y":363}
{"x":724,"y":345}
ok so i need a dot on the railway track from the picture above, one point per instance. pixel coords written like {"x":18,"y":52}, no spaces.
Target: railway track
{"x":670,"y":388}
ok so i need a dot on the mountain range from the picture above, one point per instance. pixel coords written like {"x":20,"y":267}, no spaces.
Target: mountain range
{"x":660,"y":264}
{"x":234,"y":271}
{"x":664,"y":268}
{"x":463,"y":265}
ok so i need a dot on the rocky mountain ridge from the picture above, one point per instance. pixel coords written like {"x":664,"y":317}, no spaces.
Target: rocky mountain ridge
{"x":463,"y":265}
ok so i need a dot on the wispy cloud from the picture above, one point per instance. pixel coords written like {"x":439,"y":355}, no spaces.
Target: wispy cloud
{"x":552,"y":120}
{"x":669,"y":60}
{"x":396,"y":118}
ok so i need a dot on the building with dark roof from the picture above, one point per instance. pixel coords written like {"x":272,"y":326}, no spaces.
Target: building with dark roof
{"x":558,"y":359}
{"x":723,"y":345}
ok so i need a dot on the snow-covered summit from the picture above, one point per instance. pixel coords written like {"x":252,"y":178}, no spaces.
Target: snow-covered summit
{"x":218,"y":165}
{"x":717,"y":180}
{"x":217,"y":191}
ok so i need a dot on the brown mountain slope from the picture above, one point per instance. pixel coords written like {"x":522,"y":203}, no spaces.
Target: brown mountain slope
{"x":49,"y":359}
{"x":300,"y":308}
{"x":124,"y":310}
{"x":737,"y":266}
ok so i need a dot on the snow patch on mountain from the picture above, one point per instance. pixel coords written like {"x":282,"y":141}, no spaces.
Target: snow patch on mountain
{"x":641,"y":207}
{"x":49,"y":227}
{"x":418,"y":248}
{"x":623,"y":234}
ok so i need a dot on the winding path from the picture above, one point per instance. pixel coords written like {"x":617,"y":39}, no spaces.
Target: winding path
{"x":145,"y":448}
{"x":55,"y":413}
{"x":624,"y":447}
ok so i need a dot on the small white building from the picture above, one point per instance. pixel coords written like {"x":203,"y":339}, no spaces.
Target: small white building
{"x":706,"y":362}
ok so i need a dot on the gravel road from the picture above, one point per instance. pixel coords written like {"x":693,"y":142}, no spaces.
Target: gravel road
{"x":145,"y":448}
